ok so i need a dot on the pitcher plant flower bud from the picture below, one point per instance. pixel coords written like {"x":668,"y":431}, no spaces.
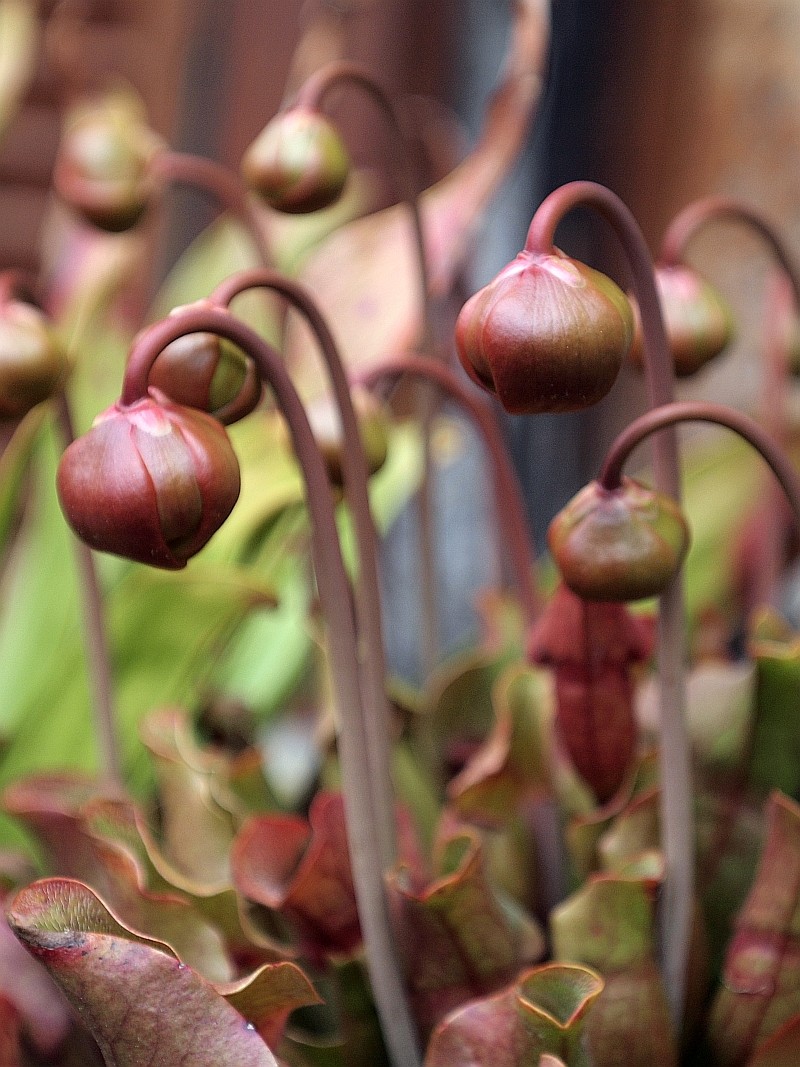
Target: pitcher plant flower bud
{"x":547,"y":334}
{"x":698,"y":322}
{"x":102,"y":169}
{"x":619,"y":544}
{"x":298,"y":163}
{"x":33,"y":364}
{"x":207,"y":372}
{"x":373,"y":428}
{"x":152,"y":481}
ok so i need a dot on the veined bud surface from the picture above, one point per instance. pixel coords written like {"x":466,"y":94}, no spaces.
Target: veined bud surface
{"x":207,"y":372}
{"x":298,"y":163}
{"x":33,"y":364}
{"x":152,"y":481}
{"x":619,"y":544}
{"x":102,"y":170}
{"x":547,"y":334}
{"x":698,"y":322}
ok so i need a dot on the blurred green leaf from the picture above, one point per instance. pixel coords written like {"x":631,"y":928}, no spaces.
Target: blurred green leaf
{"x":19,"y":41}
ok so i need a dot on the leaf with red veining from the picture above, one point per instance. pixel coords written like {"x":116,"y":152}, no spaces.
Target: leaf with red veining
{"x":53,"y":807}
{"x":365,"y":275}
{"x":544,"y":1012}
{"x":761,"y":978}
{"x":591,"y":648}
{"x":511,"y":767}
{"x":455,"y":935}
{"x":301,"y":869}
{"x":609,"y":925}
{"x":141,"y":1005}
{"x":780,"y":1050}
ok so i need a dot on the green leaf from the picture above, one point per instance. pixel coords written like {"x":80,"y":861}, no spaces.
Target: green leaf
{"x":19,"y":41}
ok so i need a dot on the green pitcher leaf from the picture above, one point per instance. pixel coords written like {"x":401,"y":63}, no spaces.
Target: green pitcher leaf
{"x":544,"y":1012}
{"x":775,"y":759}
{"x":141,"y":1005}
{"x":760,"y":989}
{"x":609,"y":925}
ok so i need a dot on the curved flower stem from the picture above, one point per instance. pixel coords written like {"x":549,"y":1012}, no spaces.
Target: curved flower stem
{"x":509,"y":509}
{"x":18,"y":285}
{"x":220,"y":183}
{"x":676,"y":804}
{"x":699,"y":411}
{"x":95,"y":635}
{"x":312,"y":95}
{"x":773,"y":393}
{"x":335,"y":598}
{"x":370,"y":624}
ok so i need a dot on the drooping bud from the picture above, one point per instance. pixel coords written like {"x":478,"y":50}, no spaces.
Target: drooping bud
{"x":547,"y":334}
{"x":698,"y":322}
{"x":373,"y":428}
{"x":103,"y":166}
{"x":151,"y":482}
{"x":207,"y":372}
{"x":298,"y":163}
{"x":32,"y":362}
{"x":618,"y":544}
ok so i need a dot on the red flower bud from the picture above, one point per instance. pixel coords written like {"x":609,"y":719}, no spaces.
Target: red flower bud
{"x":618,"y":544}
{"x":297,"y":163}
{"x":548,"y":334}
{"x":698,"y":322}
{"x":152,"y":482}
{"x":32,"y":363}
{"x":207,"y":372}
{"x":103,"y":166}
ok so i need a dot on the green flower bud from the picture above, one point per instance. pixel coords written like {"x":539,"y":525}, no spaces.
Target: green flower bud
{"x":33,"y":364}
{"x":102,"y":170}
{"x":698,"y":322}
{"x":619,"y":544}
{"x":298,"y":162}
{"x":207,"y":372}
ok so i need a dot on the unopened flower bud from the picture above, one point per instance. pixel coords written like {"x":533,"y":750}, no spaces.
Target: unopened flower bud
{"x":548,"y":334}
{"x":32,"y":362}
{"x":152,"y":481}
{"x":698,"y":322}
{"x":207,"y":372}
{"x":103,"y":170}
{"x":619,"y":544}
{"x":298,"y":163}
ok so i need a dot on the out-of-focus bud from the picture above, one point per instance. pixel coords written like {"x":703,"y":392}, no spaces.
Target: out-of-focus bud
{"x":618,"y":544}
{"x":32,"y":362}
{"x":373,"y":425}
{"x":298,"y":163}
{"x":698,"y":321}
{"x":102,"y":170}
{"x":207,"y":372}
{"x":547,"y":334}
{"x":151,"y":482}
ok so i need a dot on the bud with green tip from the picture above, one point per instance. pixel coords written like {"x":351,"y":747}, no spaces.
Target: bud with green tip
{"x":619,"y":544}
{"x":207,"y":372}
{"x":152,"y":481}
{"x":698,"y":322}
{"x":547,"y":334}
{"x":33,"y":364}
{"x":102,"y":170}
{"x":298,"y":163}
